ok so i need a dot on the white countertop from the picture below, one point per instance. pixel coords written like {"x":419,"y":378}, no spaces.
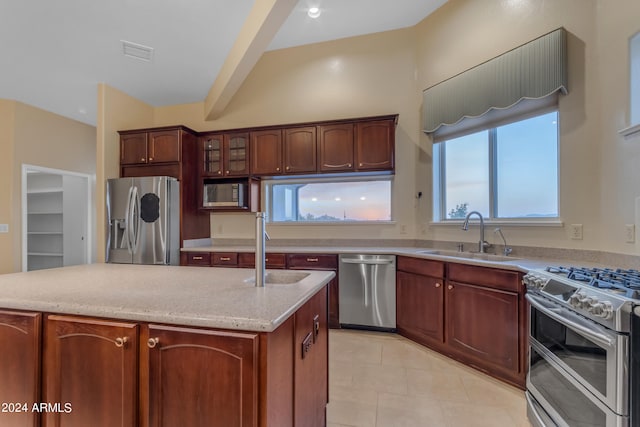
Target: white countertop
{"x":190,"y":296}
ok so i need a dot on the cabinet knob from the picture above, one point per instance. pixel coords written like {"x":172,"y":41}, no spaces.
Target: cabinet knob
{"x":287,"y":168}
{"x":227,"y":172}
{"x":450,"y":287}
{"x":219,"y":172}
{"x":349,"y":165}
{"x":438,"y":285}
{"x":121,"y":341}
{"x":150,"y":159}
{"x":152,"y":342}
{"x":277,"y":169}
{"x":142,"y":159}
{"x":360,"y":164}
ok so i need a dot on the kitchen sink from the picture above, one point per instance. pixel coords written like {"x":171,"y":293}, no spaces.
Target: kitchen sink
{"x":281,"y":278}
{"x":468,"y":255}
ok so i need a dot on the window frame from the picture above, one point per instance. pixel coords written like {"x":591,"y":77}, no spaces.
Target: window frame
{"x":267,"y":190}
{"x":439,"y":211}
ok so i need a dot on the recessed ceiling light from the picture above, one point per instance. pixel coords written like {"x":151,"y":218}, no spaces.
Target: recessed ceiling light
{"x":338,"y":199}
{"x":314,"y":12}
{"x":138,"y":51}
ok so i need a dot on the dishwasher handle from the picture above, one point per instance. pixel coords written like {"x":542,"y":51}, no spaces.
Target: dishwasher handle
{"x":366,"y":261}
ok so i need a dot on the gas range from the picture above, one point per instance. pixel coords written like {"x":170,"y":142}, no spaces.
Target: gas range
{"x":603,"y":295}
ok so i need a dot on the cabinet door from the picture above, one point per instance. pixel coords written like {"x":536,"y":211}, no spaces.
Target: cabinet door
{"x":236,"y":154}
{"x":482,"y":324}
{"x":211,"y":155}
{"x":202,"y":378}
{"x":335,"y":148}
{"x":19,"y":367}
{"x":164,"y":146}
{"x":420,"y":307}
{"x":311,"y":362}
{"x":375,"y":145}
{"x":92,"y":366}
{"x":300,"y":150}
{"x":266,"y":152}
{"x":133,"y":148}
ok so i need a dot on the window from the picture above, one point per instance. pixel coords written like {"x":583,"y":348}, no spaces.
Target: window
{"x":634,"y":45}
{"x":509,"y":171}
{"x":321,"y":200}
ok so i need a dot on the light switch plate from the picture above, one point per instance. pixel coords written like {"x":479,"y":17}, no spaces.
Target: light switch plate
{"x":630,"y":233}
{"x":4,"y":228}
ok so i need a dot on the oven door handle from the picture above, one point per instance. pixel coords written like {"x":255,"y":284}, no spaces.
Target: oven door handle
{"x":598,"y":338}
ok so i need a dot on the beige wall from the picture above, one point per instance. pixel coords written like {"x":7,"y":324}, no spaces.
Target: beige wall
{"x":7,"y":120}
{"x":116,"y":111}
{"x":40,"y":138}
{"x":386,"y":72}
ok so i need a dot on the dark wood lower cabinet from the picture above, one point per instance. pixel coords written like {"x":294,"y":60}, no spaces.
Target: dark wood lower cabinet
{"x":482,"y":324}
{"x":202,"y":378}
{"x":90,"y":370}
{"x":420,"y":307}
{"x":19,"y":368}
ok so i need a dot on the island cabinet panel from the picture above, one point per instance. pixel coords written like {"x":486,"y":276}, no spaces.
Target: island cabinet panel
{"x":375,"y":145}
{"x":420,"y":307}
{"x":92,"y":366}
{"x":335,"y":148}
{"x":266,"y":152}
{"x":321,"y":262}
{"x":311,"y":348}
{"x":482,"y":324}
{"x":202,"y":378}
{"x":300,"y":150}
{"x":20,"y":334}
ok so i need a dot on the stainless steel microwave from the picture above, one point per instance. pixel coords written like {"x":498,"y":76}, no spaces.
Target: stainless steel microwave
{"x":223,"y":195}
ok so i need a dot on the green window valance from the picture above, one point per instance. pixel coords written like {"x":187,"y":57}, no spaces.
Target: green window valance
{"x":527,"y":78}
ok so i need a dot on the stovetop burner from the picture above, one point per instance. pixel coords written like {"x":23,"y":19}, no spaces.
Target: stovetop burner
{"x":618,"y":281}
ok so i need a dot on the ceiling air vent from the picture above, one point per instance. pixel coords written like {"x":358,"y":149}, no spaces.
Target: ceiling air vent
{"x":138,"y":51}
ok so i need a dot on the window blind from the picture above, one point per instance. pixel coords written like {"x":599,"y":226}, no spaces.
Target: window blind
{"x":520,"y":82}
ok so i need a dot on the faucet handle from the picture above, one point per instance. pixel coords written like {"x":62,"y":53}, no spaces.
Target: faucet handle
{"x":507,"y":250}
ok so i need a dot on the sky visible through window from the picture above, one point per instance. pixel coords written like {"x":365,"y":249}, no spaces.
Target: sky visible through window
{"x":337,"y":201}
{"x":526,"y":170}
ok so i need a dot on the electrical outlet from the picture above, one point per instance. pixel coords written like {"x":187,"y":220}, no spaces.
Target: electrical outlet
{"x":575,"y":231}
{"x":4,"y":228}
{"x":219,"y":229}
{"x":403,"y":229}
{"x":630,"y":233}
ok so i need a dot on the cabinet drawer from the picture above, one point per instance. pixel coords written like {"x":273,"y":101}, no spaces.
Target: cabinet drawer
{"x":425,"y":267}
{"x":484,"y":276}
{"x":248,"y":260}
{"x":199,"y":258}
{"x":225,"y":259}
{"x":312,"y":261}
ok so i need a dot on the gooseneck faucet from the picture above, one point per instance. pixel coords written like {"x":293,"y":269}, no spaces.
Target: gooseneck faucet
{"x":507,"y":249}
{"x":482,"y":244}
{"x":261,"y":236}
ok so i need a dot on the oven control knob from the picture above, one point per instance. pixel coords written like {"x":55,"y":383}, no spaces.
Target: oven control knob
{"x":602,"y":309}
{"x":587,"y":302}
{"x":575,"y":300}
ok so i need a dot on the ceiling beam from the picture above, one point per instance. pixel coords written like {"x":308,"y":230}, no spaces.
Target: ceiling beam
{"x":264,"y":20}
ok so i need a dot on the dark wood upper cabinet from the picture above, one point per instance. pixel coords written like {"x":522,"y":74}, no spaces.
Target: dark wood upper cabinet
{"x":164,"y":146}
{"x":375,"y":144}
{"x":224,"y":154}
{"x":300,"y":150}
{"x":20,"y":366}
{"x":335,"y":148}
{"x":133,"y":148}
{"x":266,"y":152}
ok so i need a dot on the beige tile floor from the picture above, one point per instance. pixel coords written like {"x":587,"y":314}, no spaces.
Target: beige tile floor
{"x":384,"y":380}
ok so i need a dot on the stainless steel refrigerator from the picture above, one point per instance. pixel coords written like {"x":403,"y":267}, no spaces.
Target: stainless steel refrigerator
{"x":143,"y":215}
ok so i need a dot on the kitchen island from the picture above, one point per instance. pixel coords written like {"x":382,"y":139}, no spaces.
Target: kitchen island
{"x":108,"y":344}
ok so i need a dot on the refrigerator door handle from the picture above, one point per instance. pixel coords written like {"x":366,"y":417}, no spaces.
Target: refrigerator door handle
{"x":135,"y":219}
{"x":128,"y":222}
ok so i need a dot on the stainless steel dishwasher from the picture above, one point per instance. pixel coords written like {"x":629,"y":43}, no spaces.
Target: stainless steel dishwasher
{"x":367,"y":296}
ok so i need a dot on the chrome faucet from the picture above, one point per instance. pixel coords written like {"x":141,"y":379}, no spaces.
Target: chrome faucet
{"x":261,"y":236}
{"x":482,"y":244}
{"x":507,"y":249}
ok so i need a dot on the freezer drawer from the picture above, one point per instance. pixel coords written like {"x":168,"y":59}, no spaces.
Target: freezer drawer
{"x":367,"y":295}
